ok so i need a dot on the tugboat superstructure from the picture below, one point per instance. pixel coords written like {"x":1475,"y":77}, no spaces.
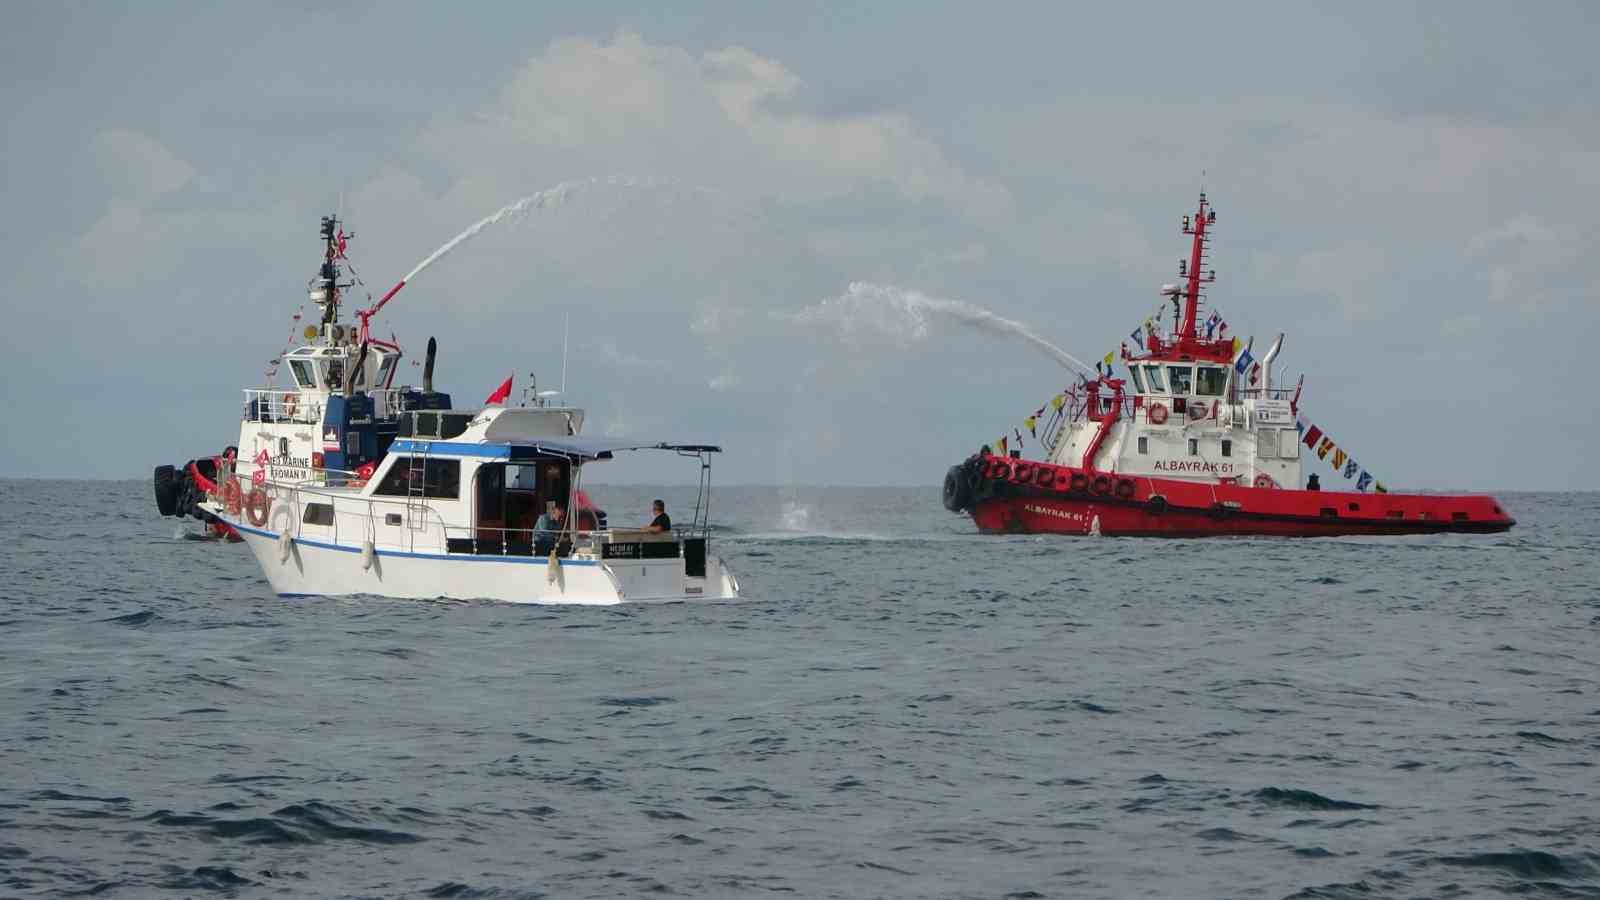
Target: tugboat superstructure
{"x":1196,"y":441}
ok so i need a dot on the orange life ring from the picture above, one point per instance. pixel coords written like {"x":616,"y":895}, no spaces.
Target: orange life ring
{"x":256,"y":505}
{"x":1265,"y":481}
{"x":1158,"y":414}
{"x":230,"y":496}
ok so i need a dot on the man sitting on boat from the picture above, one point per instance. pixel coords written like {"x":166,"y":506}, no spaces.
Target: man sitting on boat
{"x":548,"y":529}
{"x":662,"y":523}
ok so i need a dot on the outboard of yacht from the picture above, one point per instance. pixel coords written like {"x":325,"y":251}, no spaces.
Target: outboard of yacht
{"x":454,"y":510}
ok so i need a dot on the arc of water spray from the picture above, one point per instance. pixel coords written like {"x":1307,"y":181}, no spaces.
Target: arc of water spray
{"x":548,"y":197}
{"x":863,"y":295}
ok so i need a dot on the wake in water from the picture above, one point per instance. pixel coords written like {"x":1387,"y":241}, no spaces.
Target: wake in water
{"x":902,"y":316}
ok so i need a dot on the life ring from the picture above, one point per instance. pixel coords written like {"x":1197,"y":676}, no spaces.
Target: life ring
{"x":1080,"y":482}
{"x":1062,"y":481}
{"x":1044,"y":476}
{"x":1022,"y":473}
{"x":230,"y":496}
{"x":1158,"y":414}
{"x":1265,"y":481}
{"x":1001,"y":472}
{"x":1125,"y":488}
{"x":1100,"y":485}
{"x":291,"y":402}
{"x":256,"y":506}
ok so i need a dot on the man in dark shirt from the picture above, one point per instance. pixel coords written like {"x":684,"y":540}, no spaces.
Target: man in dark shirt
{"x":662,"y":522}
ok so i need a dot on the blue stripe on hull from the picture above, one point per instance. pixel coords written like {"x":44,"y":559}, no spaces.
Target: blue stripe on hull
{"x":401,"y":554}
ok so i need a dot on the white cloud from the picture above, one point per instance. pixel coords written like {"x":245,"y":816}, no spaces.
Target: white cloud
{"x":722,"y":114}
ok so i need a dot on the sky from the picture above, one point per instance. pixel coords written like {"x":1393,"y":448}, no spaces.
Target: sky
{"x":1402,"y":189}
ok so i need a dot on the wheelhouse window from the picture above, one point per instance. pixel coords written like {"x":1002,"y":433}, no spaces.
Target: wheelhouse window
{"x":1210,"y":381}
{"x":304,"y":375}
{"x":1153,"y":373}
{"x":1138,"y":379}
{"x":441,"y":479}
{"x":383,"y":372}
{"x":1181,"y":378}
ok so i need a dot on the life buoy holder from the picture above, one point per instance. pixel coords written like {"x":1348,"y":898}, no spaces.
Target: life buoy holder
{"x":1100,"y":484}
{"x":1265,"y":481}
{"x":231,"y":500}
{"x":1158,"y":414}
{"x":1125,"y":488}
{"x":256,"y":506}
{"x":1080,"y":482}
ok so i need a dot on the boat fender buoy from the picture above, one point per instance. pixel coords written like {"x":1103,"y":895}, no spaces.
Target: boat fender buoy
{"x":285,"y":547}
{"x":369,"y":555}
{"x":1157,"y":505}
{"x":1080,"y":482}
{"x":1158,"y":414}
{"x":1100,"y":485}
{"x":1125,"y":488}
{"x":256,"y":506}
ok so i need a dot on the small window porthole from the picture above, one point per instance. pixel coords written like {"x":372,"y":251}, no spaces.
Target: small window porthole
{"x":1227,"y":447}
{"x":1144,"y":445}
{"x":1194,"y":446}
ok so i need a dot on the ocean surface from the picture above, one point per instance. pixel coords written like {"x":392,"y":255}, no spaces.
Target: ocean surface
{"x":900,"y":708}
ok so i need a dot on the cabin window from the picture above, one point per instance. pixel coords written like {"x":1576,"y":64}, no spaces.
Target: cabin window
{"x":1144,"y":445}
{"x":383,"y":372}
{"x":1138,"y":379}
{"x":1153,"y":373}
{"x":1194,"y":446}
{"x":441,"y":479}
{"x":1210,"y":381}
{"x":1227,"y":447}
{"x":304,"y":376}
{"x":1289,"y":443}
{"x":333,"y":369}
{"x":1181,"y":378}
{"x":318,"y":514}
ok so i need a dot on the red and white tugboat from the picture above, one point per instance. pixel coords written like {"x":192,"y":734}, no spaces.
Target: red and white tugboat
{"x":1189,"y":446}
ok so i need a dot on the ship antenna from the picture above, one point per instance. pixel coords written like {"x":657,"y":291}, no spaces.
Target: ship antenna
{"x":565,"y":328}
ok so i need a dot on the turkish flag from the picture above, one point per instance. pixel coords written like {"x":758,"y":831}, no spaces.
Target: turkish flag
{"x":500,"y":393}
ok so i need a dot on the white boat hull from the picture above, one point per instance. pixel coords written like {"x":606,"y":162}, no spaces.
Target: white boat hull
{"x":316,"y":568}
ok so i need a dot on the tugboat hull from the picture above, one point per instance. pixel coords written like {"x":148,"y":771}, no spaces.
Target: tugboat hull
{"x":1010,"y":496}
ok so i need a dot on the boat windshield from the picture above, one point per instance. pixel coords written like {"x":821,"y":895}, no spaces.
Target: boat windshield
{"x":1181,"y":378}
{"x":1153,"y":373}
{"x":304,"y":376}
{"x":1210,"y":381}
{"x":1138,"y":379}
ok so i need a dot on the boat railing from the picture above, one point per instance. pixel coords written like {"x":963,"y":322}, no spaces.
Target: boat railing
{"x":270,"y":406}
{"x":1266,"y":394}
{"x":604,"y":543}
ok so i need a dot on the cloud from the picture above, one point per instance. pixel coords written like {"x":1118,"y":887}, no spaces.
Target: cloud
{"x":722,"y":114}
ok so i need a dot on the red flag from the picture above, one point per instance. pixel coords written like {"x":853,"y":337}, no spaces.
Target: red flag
{"x":1312,"y":433}
{"x":500,"y":393}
